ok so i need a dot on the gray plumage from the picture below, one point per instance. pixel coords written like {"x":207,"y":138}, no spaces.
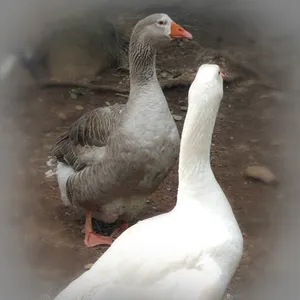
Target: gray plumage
{"x":120,"y":154}
{"x":91,"y":130}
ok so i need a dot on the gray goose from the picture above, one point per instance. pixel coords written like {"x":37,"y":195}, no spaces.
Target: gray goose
{"x":112,"y":158}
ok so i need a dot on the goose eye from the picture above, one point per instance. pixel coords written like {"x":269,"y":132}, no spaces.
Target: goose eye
{"x":161,"y":22}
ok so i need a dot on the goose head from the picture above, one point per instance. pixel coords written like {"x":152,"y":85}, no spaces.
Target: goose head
{"x":207,"y":87}
{"x":159,"y":28}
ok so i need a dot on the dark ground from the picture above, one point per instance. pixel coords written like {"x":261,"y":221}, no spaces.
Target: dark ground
{"x":242,"y":137}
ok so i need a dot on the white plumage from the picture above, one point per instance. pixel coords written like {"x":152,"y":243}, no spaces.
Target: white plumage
{"x":63,"y":172}
{"x":189,"y":253}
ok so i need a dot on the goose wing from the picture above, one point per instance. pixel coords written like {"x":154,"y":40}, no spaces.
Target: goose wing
{"x":89,"y":131}
{"x":110,"y":178}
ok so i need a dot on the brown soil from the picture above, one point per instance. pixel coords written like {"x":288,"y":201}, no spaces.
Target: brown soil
{"x":241,"y":138}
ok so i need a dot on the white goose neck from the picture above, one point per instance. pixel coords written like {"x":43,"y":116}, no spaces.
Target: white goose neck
{"x":194,"y":160}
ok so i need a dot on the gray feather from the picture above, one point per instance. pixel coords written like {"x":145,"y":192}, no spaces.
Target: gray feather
{"x":122,"y":153}
{"x":92,"y":129}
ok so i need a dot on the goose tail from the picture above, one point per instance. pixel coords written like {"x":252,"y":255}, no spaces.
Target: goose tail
{"x":63,"y":173}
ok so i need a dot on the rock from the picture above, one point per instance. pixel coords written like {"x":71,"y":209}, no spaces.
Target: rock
{"x":79,"y":107}
{"x":177,"y":118}
{"x":164,"y":74}
{"x":81,"y":47}
{"x":88,"y":266}
{"x":221,"y":116}
{"x":262,"y":97}
{"x":62,"y":116}
{"x":176,"y":74}
{"x":49,"y":174}
{"x":261,"y":173}
{"x":51,"y":162}
{"x":73,"y":96}
{"x":228,"y":296}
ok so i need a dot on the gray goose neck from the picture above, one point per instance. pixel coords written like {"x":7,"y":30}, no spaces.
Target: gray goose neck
{"x":142,"y":63}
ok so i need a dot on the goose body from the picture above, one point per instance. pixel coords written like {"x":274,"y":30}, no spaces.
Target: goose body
{"x":189,"y":253}
{"x":111,"y":159}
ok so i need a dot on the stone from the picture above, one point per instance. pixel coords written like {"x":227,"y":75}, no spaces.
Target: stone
{"x":62,"y":116}
{"x":73,"y":96}
{"x":262,"y":174}
{"x":88,"y":266}
{"x":177,"y":118}
{"x":81,"y":47}
{"x":79,"y":107}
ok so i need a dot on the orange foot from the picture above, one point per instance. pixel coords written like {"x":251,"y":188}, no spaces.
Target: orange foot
{"x":119,"y":230}
{"x":92,"y":239}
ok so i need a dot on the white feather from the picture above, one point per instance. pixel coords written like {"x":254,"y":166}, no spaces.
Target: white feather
{"x":63,"y":172}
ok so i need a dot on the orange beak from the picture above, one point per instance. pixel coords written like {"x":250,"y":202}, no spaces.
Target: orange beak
{"x":223,"y":75}
{"x":177,"y":32}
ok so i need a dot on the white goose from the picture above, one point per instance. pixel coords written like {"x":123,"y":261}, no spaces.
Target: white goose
{"x":189,"y":253}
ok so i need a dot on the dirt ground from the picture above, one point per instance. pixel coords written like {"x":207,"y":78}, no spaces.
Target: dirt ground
{"x":242,"y":137}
